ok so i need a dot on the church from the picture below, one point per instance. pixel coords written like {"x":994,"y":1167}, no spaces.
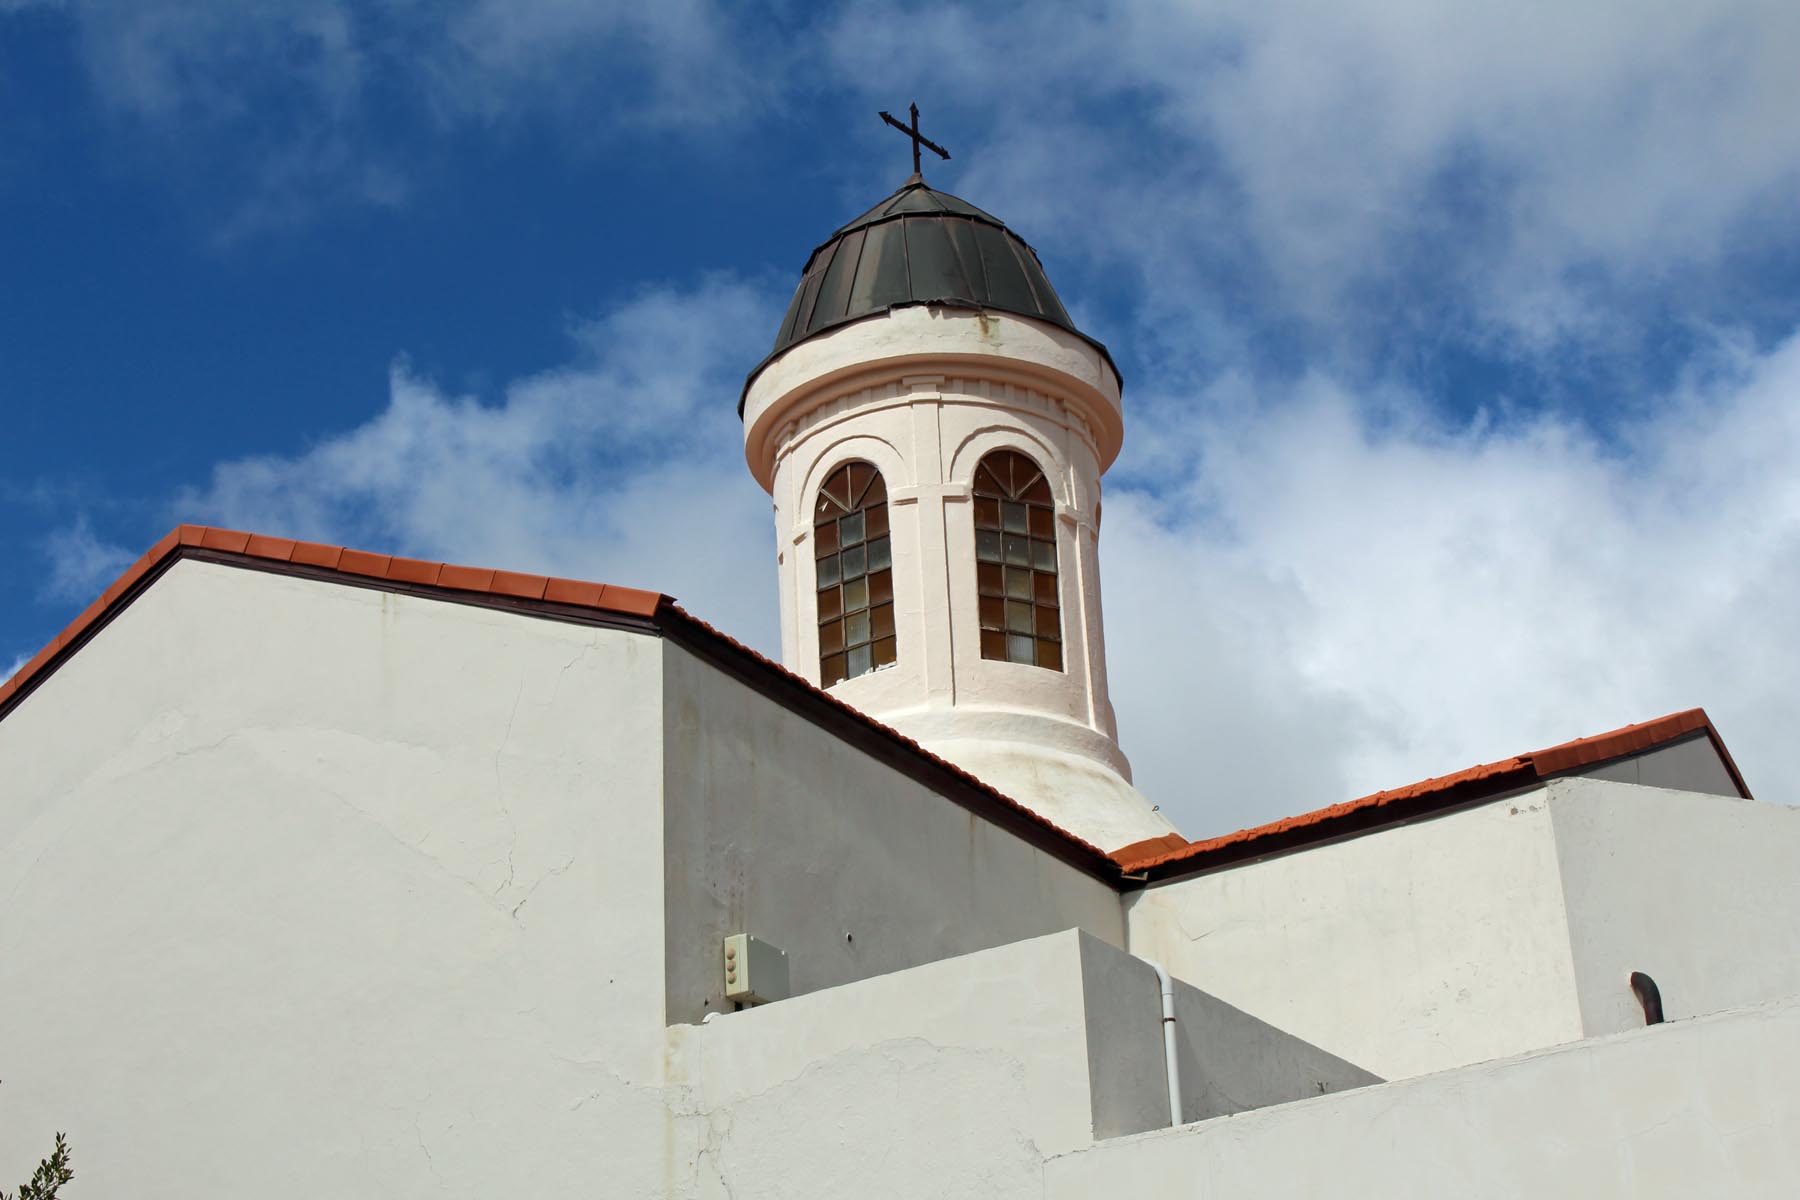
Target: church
{"x":334,"y":872}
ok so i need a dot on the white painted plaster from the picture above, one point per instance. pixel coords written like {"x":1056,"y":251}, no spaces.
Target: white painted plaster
{"x":1407,"y":950}
{"x":1704,"y":1107}
{"x":768,"y":813}
{"x":923,"y":393}
{"x":1699,"y":891}
{"x":313,"y":890}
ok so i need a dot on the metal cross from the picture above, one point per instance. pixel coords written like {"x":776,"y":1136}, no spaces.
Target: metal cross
{"x":918,"y":139}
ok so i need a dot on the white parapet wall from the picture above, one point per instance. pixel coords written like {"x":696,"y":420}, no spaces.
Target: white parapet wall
{"x":1703,"y":1107}
{"x":957,"y":1078}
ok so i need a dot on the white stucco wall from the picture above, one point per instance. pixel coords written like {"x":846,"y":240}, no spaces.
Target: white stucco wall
{"x":962,"y":1073}
{"x":315,"y":890}
{"x":1408,"y":950}
{"x":957,"y":1078}
{"x":1704,"y":1107}
{"x":1699,"y":891}
{"x":779,"y":828}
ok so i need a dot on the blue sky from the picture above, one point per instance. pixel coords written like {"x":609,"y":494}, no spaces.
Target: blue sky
{"x":1460,"y":348}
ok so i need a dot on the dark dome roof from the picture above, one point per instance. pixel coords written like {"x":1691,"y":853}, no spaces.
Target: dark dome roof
{"x":919,"y":246}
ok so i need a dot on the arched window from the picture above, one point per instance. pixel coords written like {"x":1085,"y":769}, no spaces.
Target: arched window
{"x":855,"y":574}
{"x":1015,"y":562}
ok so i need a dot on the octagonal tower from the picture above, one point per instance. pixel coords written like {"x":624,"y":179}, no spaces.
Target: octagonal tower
{"x":932,"y":429}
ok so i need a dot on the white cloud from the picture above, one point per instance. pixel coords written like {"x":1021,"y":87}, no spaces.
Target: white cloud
{"x":1323,"y":601}
{"x":624,"y":466}
{"x":81,"y":564}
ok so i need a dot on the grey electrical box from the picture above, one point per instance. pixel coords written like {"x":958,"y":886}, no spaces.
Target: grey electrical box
{"x":755,"y":971}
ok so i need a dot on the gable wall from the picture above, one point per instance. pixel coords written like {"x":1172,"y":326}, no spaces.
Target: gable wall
{"x":306,"y":882}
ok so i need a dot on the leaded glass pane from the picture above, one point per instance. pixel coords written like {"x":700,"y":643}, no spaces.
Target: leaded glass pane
{"x":856,"y":628}
{"x":856,"y":561}
{"x":828,"y":570}
{"x":1018,"y":550}
{"x":1013,"y":518}
{"x":1018,"y":616}
{"x":880,"y":554}
{"x":1021,"y":648}
{"x":1043,"y":555}
{"x":1018,"y":583}
{"x":850,"y":528}
{"x":861,"y":661}
{"x":987,"y":546}
{"x":856,"y":594}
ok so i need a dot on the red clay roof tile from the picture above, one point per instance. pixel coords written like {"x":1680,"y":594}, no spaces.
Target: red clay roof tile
{"x":361,"y":562}
{"x":512,"y":583}
{"x":466,"y":579}
{"x":574,"y":591}
{"x":413,"y":570}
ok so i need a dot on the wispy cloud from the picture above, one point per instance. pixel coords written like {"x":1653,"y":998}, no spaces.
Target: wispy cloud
{"x":81,"y":564}
{"x":1370,"y":171}
{"x":289,"y":110}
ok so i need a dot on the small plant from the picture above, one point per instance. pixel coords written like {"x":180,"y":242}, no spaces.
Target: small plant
{"x":50,"y":1175}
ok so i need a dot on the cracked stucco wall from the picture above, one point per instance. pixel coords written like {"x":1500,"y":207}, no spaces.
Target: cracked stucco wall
{"x":303,"y":884}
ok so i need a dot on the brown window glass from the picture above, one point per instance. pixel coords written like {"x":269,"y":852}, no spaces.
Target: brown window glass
{"x":855,"y":574}
{"x":1015,"y":562}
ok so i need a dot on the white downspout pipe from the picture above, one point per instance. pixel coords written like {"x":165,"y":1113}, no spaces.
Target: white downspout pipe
{"x":1170,"y":1064}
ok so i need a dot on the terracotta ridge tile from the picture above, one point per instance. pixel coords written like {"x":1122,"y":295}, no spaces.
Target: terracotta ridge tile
{"x":1537,"y":764}
{"x":417,"y":572}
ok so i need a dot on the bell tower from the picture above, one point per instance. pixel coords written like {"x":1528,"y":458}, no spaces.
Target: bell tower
{"x":932,"y":429}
